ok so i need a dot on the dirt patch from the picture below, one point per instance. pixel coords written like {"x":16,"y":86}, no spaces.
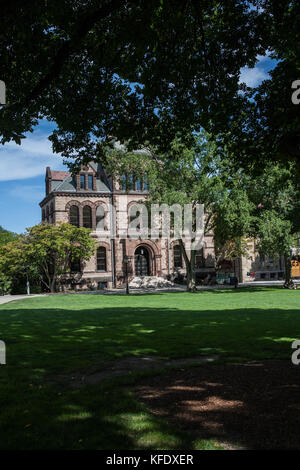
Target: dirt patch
{"x":108,"y":369}
{"x":249,"y":406}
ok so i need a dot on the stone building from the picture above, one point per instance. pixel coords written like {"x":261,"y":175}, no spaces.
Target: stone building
{"x":95,"y":200}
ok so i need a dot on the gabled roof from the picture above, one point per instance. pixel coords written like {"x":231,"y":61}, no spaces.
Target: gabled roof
{"x":63,"y":180}
{"x":59,"y":175}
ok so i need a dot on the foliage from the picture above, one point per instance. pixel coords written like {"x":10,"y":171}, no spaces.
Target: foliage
{"x":140,"y":71}
{"x":45,"y":252}
{"x":268,"y":126}
{"x":5,"y":283}
{"x":198,"y":176}
{"x":6,"y":236}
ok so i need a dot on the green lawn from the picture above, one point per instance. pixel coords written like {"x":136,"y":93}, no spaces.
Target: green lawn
{"x":58,"y":334}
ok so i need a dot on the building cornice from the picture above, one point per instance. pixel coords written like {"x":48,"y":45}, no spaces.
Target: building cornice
{"x":86,"y":194}
{"x":89,"y":194}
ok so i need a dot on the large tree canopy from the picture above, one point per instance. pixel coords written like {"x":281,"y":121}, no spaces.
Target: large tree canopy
{"x":140,"y":71}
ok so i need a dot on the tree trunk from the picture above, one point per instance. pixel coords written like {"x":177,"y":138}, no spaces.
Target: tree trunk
{"x":190,"y":268}
{"x":287,"y":264}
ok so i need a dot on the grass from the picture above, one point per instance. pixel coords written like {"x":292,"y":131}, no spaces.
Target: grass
{"x":56,"y":334}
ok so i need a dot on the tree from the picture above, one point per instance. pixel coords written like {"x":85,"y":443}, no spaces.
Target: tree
{"x":268,"y":127}
{"x":46,"y":251}
{"x":276,"y":217}
{"x":195,"y":176}
{"x":140,"y":71}
{"x":6,"y":236}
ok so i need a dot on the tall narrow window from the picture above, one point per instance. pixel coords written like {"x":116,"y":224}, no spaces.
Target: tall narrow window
{"x":199,"y":259}
{"x":90,"y":182}
{"x":100,"y":216}
{"x":124,"y":182}
{"x":131,"y":182}
{"x":87,"y":217}
{"x":101,"y":259}
{"x":74,"y":216}
{"x":82,"y":181}
{"x":146,"y":184}
{"x":177,"y":257}
{"x":51,"y":212}
{"x":138,"y":185}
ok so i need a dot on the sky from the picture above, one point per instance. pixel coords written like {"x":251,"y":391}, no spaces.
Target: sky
{"x":23,"y":167}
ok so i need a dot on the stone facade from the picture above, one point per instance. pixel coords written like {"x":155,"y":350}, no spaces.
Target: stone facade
{"x":94,"y":199}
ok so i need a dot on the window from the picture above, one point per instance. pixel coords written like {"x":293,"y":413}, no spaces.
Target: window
{"x":146,"y":185}
{"x":43,"y":214}
{"x":51,"y":212}
{"x":82,"y":181}
{"x":138,"y":185}
{"x":75,"y":266}
{"x":90,"y":182}
{"x":101,"y":259}
{"x":124,"y":181}
{"x":100,"y":215}
{"x":47,"y":213}
{"x":87,"y":217}
{"x":177,"y":257}
{"x":199,"y":259}
{"x":131,"y":182}
{"x":74,"y":216}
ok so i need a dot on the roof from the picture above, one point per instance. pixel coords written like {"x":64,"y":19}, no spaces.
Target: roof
{"x":59,"y":175}
{"x":63,"y":180}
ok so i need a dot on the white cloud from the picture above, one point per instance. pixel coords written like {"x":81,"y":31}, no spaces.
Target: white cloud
{"x":253,"y":77}
{"x":256,"y":75}
{"x":32,"y":193}
{"x":28,"y":159}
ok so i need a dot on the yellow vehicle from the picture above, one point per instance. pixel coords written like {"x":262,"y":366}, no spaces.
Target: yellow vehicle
{"x":295,"y":267}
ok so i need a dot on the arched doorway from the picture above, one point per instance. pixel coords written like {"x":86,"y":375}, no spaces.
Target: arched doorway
{"x":142,"y":261}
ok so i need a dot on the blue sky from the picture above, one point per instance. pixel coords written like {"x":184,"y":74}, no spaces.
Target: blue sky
{"x":22,"y":167}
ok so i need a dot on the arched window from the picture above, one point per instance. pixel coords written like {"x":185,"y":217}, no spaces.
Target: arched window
{"x":87,"y":217}
{"x":74,"y":216}
{"x":177,"y":257}
{"x":100,"y":215}
{"x":101,"y":259}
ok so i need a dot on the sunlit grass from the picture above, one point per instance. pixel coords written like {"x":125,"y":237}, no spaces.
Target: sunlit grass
{"x":59,"y":334}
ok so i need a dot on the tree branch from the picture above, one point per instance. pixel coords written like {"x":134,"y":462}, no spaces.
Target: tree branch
{"x":85,"y":24}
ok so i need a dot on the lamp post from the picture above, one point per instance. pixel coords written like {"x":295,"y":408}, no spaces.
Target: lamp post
{"x":126,"y":261}
{"x":27,"y":280}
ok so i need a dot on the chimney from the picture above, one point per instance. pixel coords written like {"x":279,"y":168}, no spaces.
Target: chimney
{"x":48,"y":180}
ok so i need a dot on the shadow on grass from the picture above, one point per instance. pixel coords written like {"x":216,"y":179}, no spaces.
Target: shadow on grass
{"x":42,"y":341}
{"x":255,"y":405}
